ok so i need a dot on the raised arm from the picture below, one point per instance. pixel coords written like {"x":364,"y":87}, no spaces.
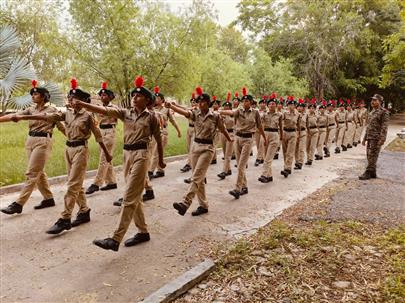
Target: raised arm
{"x":8,"y":118}
{"x":118,"y":113}
{"x":226,"y":112}
{"x":178,"y":109}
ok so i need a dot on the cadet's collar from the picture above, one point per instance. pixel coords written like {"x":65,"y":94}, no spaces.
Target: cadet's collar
{"x":247,"y":110}
{"x":209,"y":113}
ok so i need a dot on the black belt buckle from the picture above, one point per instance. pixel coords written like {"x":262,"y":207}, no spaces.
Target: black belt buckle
{"x":75,"y":143}
{"x":203,"y":141}
{"x":106,"y":126}
{"x":269,"y":129}
{"x":136,"y":146}
{"x":289,"y":129}
{"x":39,"y":134}
{"x":244,"y":135}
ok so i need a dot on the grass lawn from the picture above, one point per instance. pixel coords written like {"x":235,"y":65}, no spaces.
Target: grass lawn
{"x":13,"y":158}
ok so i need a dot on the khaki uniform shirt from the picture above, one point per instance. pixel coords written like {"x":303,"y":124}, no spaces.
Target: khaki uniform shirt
{"x":363,"y":114}
{"x":303,"y":120}
{"x":229,"y":122}
{"x":246,"y":121}
{"x":104,"y":119}
{"x":312,"y":120}
{"x":138,"y":127}
{"x":206,"y":126}
{"x":350,"y":116}
{"x":272,"y":120}
{"x":341,"y":117}
{"x":40,"y":125}
{"x":331,"y":117}
{"x":166,"y":115}
{"x":79,"y":125}
{"x":290,"y":120}
{"x":322,"y":119}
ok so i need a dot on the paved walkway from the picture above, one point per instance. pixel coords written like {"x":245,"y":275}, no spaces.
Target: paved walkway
{"x":36,"y":267}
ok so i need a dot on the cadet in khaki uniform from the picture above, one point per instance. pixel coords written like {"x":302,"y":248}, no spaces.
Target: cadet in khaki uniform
{"x":341,"y":127}
{"x":139,"y":126}
{"x":331,"y":128}
{"x":350,"y":126}
{"x":105,"y":171}
{"x":206,"y":124}
{"x":215,"y":104}
{"x":376,"y":134}
{"x":38,"y":147}
{"x":312,"y":133}
{"x":362,"y":114}
{"x":246,"y":122}
{"x":259,"y":142}
{"x":167,"y":116}
{"x":79,"y":126}
{"x":356,"y":121}
{"x":272,"y":124}
{"x":280,"y":109}
{"x":302,"y":137}
{"x":189,"y":137}
{"x":291,"y":121}
{"x":227,"y":146}
{"x":322,"y":125}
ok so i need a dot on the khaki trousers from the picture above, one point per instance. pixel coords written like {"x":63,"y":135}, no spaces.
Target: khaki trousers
{"x":321,"y":141}
{"x":260,"y":146}
{"x":301,"y":147}
{"x":330,"y":137}
{"x":357,"y":135}
{"x":274,"y":140}
{"x":340,"y":131}
{"x":76,"y":162}
{"x":155,"y":158}
{"x":289,"y":144}
{"x":105,"y":172}
{"x":200,"y":161}
{"x":135,"y":169}
{"x":38,"y":151}
{"x":243,"y":148}
{"x":151,"y":147}
{"x":227,"y":147}
{"x":216,"y":141}
{"x":349,"y":134}
{"x":189,"y":143}
{"x":312,"y":140}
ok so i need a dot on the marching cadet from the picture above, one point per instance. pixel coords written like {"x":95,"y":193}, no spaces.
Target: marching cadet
{"x":167,"y":116}
{"x":376,"y":134}
{"x":331,"y":128}
{"x":362,"y":113}
{"x":259,"y":143}
{"x":139,"y":126}
{"x":246,"y":122}
{"x":236,"y":101}
{"x":350,"y":126}
{"x":341,"y":127}
{"x":356,"y":121}
{"x":215,"y":105}
{"x":273,"y":125}
{"x":79,"y":126}
{"x":291,"y":122}
{"x":312,"y":132}
{"x":227,"y":146}
{"x":38,"y":147}
{"x":105,"y":171}
{"x":302,"y":138}
{"x":206,"y":124}
{"x":280,"y":109}
{"x":189,"y":136}
{"x":323,"y":122}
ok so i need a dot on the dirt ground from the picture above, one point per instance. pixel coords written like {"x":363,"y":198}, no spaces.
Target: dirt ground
{"x":36,"y":267}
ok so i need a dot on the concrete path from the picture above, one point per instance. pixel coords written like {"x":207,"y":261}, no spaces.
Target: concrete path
{"x":36,"y":267}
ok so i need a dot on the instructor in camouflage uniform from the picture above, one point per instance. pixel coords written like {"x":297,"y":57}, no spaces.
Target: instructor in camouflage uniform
{"x":375,"y":136}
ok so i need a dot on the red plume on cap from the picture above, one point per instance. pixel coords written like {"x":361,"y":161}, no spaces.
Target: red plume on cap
{"x":273,"y":95}
{"x":193,"y":95}
{"x":34,"y":83}
{"x":199,"y":90}
{"x":214,"y":98}
{"x":348,"y":101}
{"x":236,"y":94}
{"x":156,"y":89}
{"x":104,"y":85}
{"x":301,"y":101}
{"x":313,"y":101}
{"x":324,"y":103}
{"x":228,"y":96}
{"x":73,"y":83}
{"x":244,"y":91}
{"x":139,"y":82}
{"x":281,"y":98}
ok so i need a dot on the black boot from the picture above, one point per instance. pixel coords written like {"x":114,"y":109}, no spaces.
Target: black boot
{"x":325,"y":149}
{"x":244,"y":191}
{"x":107,"y":243}
{"x":235,"y":193}
{"x":373,"y":175}
{"x":92,"y":189}
{"x":275,"y":157}
{"x":45,"y":203}
{"x":349,"y":146}
{"x":199,"y":211}
{"x":344,"y":148}
{"x":309,"y":162}
{"x":355,"y":144}
{"x":148,"y":195}
{"x":337,"y":150}
{"x":222,"y":175}
{"x":365,"y":176}
{"x":214,"y":161}
{"x":286,"y":172}
{"x":59,"y":226}
{"x":81,"y":218}
{"x":229,"y":172}
{"x":118,"y":202}
{"x":150,"y":174}
{"x":185,"y":169}
{"x":188,"y":180}
{"x":137,"y":239}
{"x":180,"y":207}
{"x":257,"y":162}
{"x":298,"y":166}
{"x":159,"y":174}
{"x":265,"y":179}
{"x":109,"y":186}
{"x":13,"y":208}
{"x":327,"y":155}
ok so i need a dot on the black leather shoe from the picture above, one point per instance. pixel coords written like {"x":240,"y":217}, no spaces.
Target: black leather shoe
{"x":45,"y":203}
{"x":180,"y":207}
{"x":325,"y":149}
{"x":59,"y":226}
{"x":349,"y":146}
{"x":275,"y":157}
{"x":327,"y":155}
{"x":107,"y":243}
{"x":309,"y":162}
{"x":373,"y":175}
{"x":137,"y":239}
{"x":109,"y":186}
{"x":81,"y":218}
{"x":222,"y":175}
{"x":214,"y":161}
{"x":92,"y":189}
{"x":337,"y":150}
{"x":319,"y":158}
{"x":244,"y":191}
{"x":285,"y":173}
{"x":251,"y":153}
{"x":261,"y":161}
{"x":229,"y":172}
{"x":257,"y":162}
{"x":298,"y":166}
{"x":13,"y":208}
{"x":159,"y":174}
{"x":188,"y":180}
{"x":185,"y":168}
{"x":150,"y":174}
{"x":355,"y":144}
{"x":118,"y":202}
{"x":365,"y":176}
{"x":265,"y":179}
{"x":199,"y":211}
{"x":235,"y":193}
{"x":344,"y":148}
{"x":148,"y":195}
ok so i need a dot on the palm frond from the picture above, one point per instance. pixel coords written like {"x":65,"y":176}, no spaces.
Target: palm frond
{"x":57,"y":96}
{"x":17,"y":76}
{"x":21,"y":102}
{"x":9,"y":43}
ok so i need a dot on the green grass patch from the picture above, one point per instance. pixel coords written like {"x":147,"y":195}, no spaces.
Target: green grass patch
{"x":13,"y":157}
